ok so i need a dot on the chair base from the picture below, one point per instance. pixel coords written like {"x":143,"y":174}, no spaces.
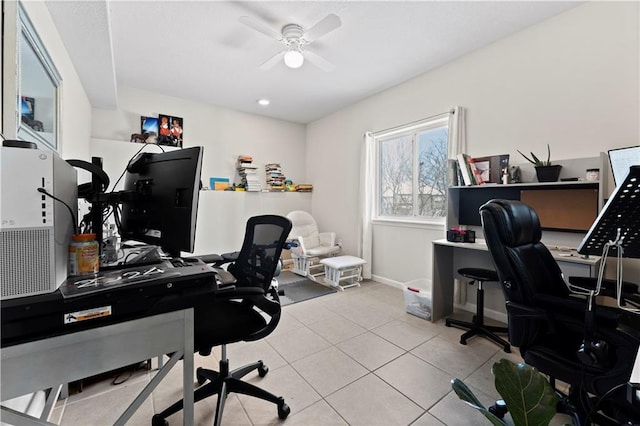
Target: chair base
{"x":223,"y":383}
{"x":480,"y":329}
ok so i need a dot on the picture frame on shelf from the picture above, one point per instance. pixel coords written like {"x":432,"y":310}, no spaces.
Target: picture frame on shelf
{"x":170,"y":130}
{"x":149,"y":125}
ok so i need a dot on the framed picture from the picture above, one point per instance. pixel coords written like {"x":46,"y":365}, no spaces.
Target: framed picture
{"x":170,"y":130}
{"x":149,"y":125}
{"x":27,"y":107}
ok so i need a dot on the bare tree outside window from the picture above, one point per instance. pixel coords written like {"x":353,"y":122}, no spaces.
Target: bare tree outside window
{"x":396,"y":177}
{"x":432,"y":177}
{"x":412,"y":172}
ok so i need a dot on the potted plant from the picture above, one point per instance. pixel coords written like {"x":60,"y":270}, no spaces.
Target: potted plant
{"x":545,"y":171}
{"x":528,"y":396}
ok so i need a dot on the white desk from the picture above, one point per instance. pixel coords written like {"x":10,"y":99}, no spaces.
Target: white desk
{"x":47,"y":363}
{"x":448,"y":257}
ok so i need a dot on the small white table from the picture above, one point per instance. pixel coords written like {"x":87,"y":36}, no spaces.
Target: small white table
{"x":346,"y":269}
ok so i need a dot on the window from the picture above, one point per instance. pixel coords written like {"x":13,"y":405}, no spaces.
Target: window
{"x":39,"y":81}
{"x":412,"y":171}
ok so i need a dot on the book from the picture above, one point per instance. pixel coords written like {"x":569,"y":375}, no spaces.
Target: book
{"x":465,"y":170}
{"x":479,"y":170}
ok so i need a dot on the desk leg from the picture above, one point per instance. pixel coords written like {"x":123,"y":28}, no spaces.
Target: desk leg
{"x":187,"y":365}
{"x":187,"y":355}
{"x":442,"y":282}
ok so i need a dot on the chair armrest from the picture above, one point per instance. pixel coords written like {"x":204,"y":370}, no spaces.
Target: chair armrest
{"x":327,"y":239}
{"x":208,"y":258}
{"x":589,"y":283}
{"x":225,"y":277}
{"x":303,"y":245}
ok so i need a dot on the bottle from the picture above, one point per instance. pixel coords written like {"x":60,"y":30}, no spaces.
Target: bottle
{"x":505,"y":175}
{"x":83,"y":255}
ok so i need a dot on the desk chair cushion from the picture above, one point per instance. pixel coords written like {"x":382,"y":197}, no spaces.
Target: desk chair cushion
{"x":223,"y":323}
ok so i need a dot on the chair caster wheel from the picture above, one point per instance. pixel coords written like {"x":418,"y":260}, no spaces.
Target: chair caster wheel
{"x":283,"y":409}
{"x":499,"y":409}
{"x":200,"y":377}
{"x":262,"y":370}
{"x":156,"y":420}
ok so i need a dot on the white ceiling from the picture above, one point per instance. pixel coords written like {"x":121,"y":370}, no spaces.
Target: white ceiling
{"x":198,"y":50}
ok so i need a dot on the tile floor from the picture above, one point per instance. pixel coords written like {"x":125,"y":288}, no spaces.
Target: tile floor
{"x":351,"y":358}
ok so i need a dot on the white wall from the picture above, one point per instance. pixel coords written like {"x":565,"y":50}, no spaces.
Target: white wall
{"x":571,"y":81}
{"x":224,"y":134}
{"x":75,"y":114}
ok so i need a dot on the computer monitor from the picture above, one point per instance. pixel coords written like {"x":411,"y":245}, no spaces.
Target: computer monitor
{"x":161,"y":204}
{"x":621,"y":159}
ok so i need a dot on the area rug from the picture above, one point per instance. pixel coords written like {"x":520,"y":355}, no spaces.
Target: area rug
{"x":297,"y":289}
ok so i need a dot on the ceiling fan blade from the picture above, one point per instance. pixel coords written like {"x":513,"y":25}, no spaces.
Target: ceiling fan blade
{"x":326,"y":25}
{"x":260,"y":27}
{"x":269,"y":63}
{"x":319,"y":61}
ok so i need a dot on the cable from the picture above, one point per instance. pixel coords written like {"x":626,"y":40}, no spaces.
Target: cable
{"x":76,"y":228}
{"x":602,"y":398}
{"x":129,"y":162}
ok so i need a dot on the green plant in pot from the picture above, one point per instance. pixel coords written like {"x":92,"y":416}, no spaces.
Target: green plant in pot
{"x":529,"y":397}
{"x":545,"y":171}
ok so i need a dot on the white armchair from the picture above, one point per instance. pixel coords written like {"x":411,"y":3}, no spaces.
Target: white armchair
{"x":312,"y":245}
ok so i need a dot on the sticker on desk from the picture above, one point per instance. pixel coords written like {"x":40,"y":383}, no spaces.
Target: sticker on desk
{"x":87,"y":314}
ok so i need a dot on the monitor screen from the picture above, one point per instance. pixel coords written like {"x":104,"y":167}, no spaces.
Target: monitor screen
{"x":621,"y":159}
{"x":163,"y":203}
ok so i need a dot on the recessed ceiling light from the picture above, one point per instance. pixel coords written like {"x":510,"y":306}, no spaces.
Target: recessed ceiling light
{"x":263,"y":102}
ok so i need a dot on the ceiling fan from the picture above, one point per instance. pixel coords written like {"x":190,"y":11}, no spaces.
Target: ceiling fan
{"x":294,"y":38}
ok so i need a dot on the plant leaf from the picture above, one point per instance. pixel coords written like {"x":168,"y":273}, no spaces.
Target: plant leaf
{"x":548,"y":163}
{"x":466,"y":395}
{"x":538,"y":162}
{"x":529,"y":397}
{"x":527,"y":158}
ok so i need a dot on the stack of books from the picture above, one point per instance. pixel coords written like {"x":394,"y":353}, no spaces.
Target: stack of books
{"x":248,"y":173}
{"x":304,"y":187}
{"x":275,"y":178}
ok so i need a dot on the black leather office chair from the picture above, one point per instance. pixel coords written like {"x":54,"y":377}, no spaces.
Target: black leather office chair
{"x":238,"y":315}
{"x":594,"y":355}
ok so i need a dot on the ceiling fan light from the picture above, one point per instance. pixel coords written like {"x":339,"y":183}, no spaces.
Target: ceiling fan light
{"x":293,"y":59}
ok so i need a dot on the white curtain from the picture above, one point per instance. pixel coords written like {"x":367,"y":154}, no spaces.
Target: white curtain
{"x":457,"y":133}
{"x":367,"y":194}
{"x":457,"y":145}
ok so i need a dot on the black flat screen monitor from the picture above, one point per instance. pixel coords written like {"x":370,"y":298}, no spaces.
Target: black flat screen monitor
{"x":621,"y":159}
{"x":163,"y":204}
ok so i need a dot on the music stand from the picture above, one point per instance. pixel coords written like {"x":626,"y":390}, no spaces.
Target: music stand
{"x":617,"y":227}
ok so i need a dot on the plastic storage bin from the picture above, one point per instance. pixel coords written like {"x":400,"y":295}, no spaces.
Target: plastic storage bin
{"x":417,"y":298}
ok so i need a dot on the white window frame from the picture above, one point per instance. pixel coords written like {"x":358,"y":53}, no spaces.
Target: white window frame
{"x":412,"y":129}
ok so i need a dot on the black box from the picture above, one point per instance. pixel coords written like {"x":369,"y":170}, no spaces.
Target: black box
{"x":461,"y":236}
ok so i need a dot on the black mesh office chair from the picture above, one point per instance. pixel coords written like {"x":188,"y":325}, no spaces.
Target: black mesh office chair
{"x":593,"y":356}
{"x":239,"y":315}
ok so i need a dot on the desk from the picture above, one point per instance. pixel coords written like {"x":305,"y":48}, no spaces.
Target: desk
{"x":47,"y":363}
{"x":45,"y":343}
{"x":447,"y":260}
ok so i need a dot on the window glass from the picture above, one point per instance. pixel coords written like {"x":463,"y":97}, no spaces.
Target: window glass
{"x":412,"y":172}
{"x":37,"y":100}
